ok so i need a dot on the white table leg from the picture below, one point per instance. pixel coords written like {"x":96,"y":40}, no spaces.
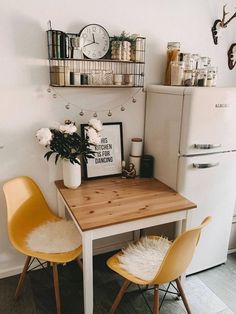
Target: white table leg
{"x":60,"y":206}
{"x":186,"y":222}
{"x":178,"y":228}
{"x":87,"y":251}
{"x":184,"y":227}
{"x":137,"y":234}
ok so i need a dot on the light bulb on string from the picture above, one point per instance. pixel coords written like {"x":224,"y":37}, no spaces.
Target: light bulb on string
{"x":81,"y":111}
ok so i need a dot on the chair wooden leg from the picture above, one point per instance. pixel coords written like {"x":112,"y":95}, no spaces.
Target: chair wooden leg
{"x":56,"y":288}
{"x":156,"y":300}
{"x":180,"y":288}
{"x":119,"y":296}
{"x":22,"y":277}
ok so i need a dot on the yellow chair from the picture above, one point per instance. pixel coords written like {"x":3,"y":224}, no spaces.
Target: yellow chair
{"x":174,"y":264}
{"x":27,"y":209}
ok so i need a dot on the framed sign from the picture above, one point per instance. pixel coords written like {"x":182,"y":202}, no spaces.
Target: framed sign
{"x":109,"y":153}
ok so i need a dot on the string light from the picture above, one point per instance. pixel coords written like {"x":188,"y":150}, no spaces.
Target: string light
{"x":82,"y":112}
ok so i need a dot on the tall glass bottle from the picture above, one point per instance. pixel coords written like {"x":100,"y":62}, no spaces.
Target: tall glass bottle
{"x":173,"y":49}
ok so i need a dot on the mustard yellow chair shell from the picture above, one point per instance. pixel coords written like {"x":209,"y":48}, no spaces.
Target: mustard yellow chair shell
{"x":174,"y":264}
{"x":27,"y":209}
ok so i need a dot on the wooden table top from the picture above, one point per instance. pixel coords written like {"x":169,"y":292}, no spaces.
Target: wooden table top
{"x":108,"y":201}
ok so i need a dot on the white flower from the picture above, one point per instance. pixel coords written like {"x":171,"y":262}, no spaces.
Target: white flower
{"x":44,"y":136}
{"x":96,"y":124}
{"x":68,"y":128}
{"x":94,"y":136}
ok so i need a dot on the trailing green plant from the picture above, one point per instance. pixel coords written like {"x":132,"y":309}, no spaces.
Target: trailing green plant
{"x":124,"y":37}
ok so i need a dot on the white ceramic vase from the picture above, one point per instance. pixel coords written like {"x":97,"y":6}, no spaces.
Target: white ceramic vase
{"x":71,"y":174}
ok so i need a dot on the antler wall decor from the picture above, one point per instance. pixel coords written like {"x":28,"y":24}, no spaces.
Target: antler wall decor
{"x":232,"y":56}
{"x":220,"y":24}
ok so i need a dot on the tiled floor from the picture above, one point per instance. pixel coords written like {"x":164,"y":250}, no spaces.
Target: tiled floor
{"x":209,"y":292}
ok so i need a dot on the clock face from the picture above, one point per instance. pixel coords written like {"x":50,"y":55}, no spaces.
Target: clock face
{"x":95,"y":41}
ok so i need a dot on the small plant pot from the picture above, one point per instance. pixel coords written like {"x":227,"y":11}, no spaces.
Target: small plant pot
{"x":121,"y":50}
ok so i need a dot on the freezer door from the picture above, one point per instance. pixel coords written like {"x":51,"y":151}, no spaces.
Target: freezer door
{"x":208,"y":121}
{"x":209,"y":181}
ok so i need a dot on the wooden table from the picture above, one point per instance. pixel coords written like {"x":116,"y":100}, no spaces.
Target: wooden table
{"x":110,"y":206}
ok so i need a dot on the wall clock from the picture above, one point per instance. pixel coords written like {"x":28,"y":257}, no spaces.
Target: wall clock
{"x":95,"y":41}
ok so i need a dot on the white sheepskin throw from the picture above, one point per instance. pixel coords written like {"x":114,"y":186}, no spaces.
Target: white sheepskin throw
{"x":54,"y":237}
{"x":143,"y":259}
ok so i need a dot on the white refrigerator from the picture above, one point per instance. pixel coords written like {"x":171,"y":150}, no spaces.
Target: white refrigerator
{"x":191,"y":133}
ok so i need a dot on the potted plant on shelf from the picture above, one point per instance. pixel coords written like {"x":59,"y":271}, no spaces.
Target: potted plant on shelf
{"x":65,"y":143}
{"x":123,"y":47}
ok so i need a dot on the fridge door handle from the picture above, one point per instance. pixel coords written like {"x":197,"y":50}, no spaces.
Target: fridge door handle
{"x":208,"y":165}
{"x":206,"y":146}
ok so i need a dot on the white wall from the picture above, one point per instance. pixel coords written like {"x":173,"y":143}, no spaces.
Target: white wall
{"x":26,"y":105}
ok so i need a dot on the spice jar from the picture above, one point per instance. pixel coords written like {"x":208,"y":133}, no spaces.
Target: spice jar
{"x":187,"y":81}
{"x":202,"y":77}
{"x":214,"y":75}
{"x":136,"y":146}
{"x":204,"y":62}
{"x":195,"y":59}
{"x":209,"y":78}
{"x":173,"y":49}
{"x":188,"y":69}
{"x":177,"y":72}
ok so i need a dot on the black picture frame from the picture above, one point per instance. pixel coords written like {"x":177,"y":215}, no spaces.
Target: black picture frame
{"x":109,"y":153}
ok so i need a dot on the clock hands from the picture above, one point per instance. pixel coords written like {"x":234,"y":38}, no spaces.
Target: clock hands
{"x":88,"y":44}
{"x":94,"y":40}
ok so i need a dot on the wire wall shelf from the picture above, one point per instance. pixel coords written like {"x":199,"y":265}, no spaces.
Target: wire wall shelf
{"x":69,"y":68}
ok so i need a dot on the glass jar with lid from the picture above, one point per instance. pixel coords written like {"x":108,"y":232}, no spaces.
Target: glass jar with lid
{"x":188,"y":78}
{"x":177,"y":73}
{"x":173,"y":49}
{"x":205,"y":62}
{"x":209,"y":77}
{"x":196,"y":59}
{"x":212,"y":76}
{"x":202,"y":77}
{"x":188,"y":69}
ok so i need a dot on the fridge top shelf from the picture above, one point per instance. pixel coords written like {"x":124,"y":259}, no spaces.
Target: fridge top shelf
{"x":183,"y":90}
